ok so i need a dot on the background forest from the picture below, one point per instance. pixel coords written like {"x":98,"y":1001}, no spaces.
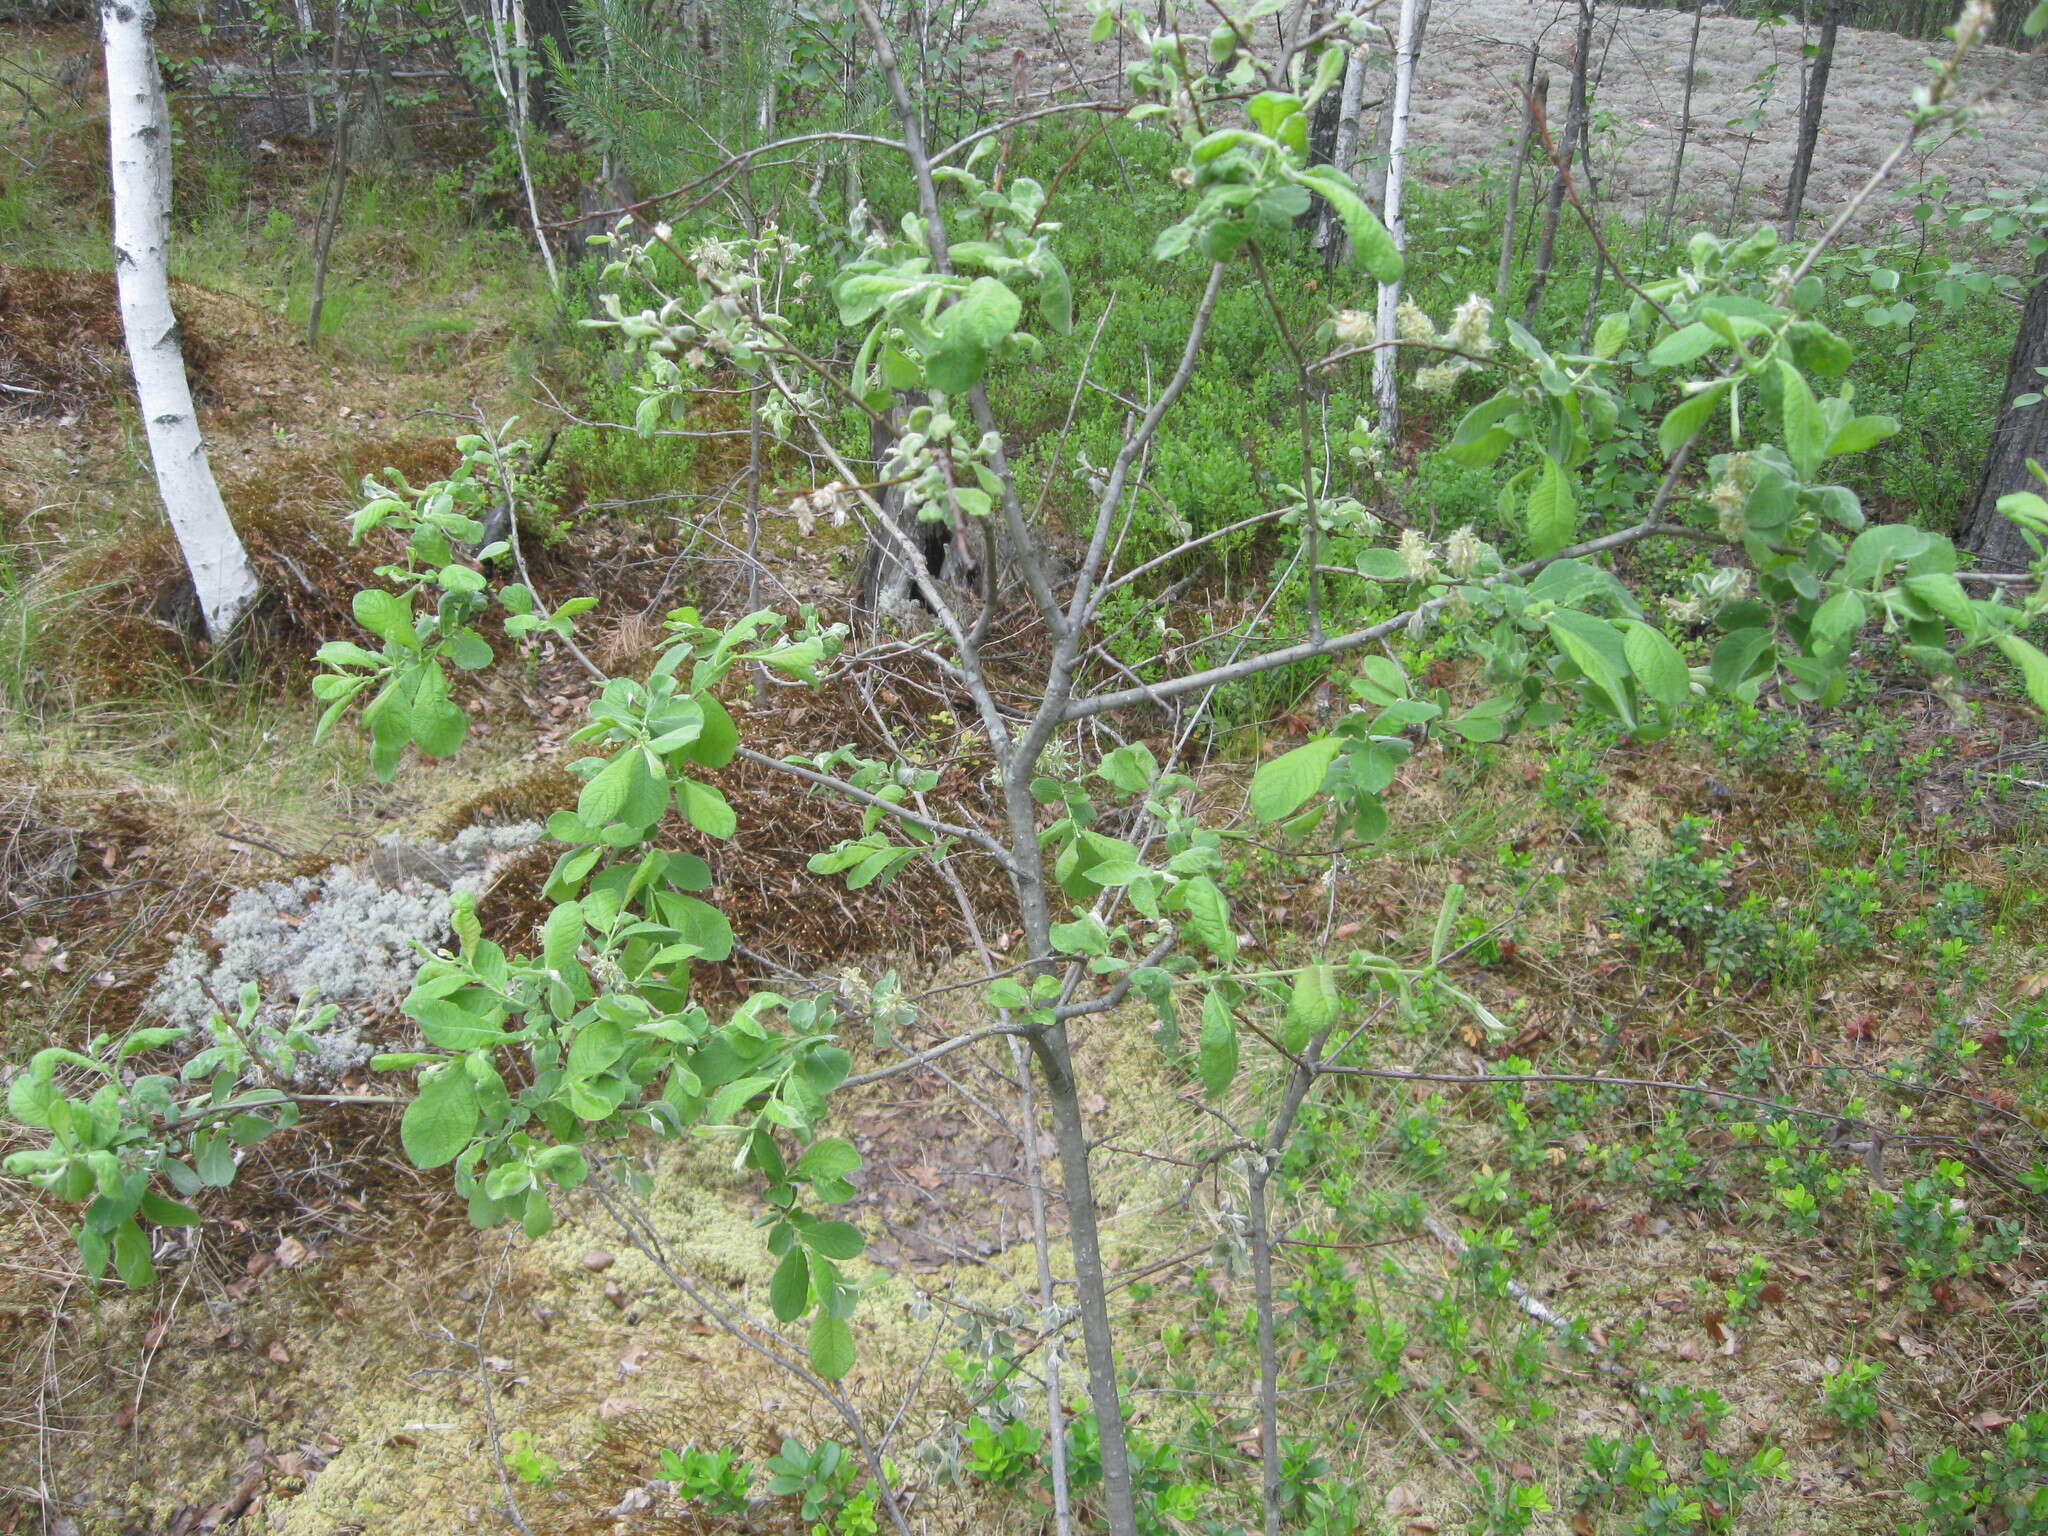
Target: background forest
{"x":996,"y":767}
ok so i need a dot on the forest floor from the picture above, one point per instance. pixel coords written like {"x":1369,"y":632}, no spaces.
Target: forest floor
{"x":341,"y":1353}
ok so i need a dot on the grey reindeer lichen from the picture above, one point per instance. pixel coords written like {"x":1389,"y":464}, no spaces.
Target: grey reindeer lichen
{"x":348,"y":937}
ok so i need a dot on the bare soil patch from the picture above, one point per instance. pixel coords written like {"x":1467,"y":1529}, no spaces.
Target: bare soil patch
{"x":1468,"y":100}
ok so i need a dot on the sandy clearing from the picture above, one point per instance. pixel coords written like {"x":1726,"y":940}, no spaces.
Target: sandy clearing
{"x":1469,"y":90}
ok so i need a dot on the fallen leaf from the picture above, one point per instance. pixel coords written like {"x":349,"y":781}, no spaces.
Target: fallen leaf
{"x":278,"y":1352}
{"x":635,"y":1500}
{"x":291,"y":1253}
{"x":1401,"y":1500}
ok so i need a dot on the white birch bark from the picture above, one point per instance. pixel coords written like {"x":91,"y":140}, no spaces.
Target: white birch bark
{"x":504,"y":34}
{"x":305,"y":10}
{"x":1385,"y":398}
{"x":139,"y":128}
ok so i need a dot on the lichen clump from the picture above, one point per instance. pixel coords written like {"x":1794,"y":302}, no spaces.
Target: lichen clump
{"x":350,"y":936}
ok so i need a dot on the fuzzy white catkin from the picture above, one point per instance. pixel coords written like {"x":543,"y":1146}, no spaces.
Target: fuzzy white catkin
{"x":1411,"y":324}
{"x":1416,"y":556}
{"x":1471,"y":327}
{"x":1462,"y":552}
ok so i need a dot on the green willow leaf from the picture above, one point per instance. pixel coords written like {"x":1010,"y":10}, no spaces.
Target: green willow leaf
{"x":1552,"y":515}
{"x":1284,"y":785}
{"x":831,"y":1346}
{"x":1660,"y":671}
{"x":1806,"y":425}
{"x":968,"y":332}
{"x":790,"y":1291}
{"x":836,"y":1240}
{"x":1689,"y":418}
{"x":1597,"y":651}
{"x":2032,"y":664}
{"x":1312,"y":1008}
{"x":439,"y":1123}
{"x":1208,"y":917}
{"x":1216,"y":1055}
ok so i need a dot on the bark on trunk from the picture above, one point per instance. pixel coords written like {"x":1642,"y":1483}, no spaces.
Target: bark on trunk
{"x":888,"y":584}
{"x":1535,"y":94}
{"x":504,"y":28}
{"x":1407,"y":43}
{"x":1053,"y":1054}
{"x":1812,"y":102}
{"x":1692,"y":58}
{"x":1330,"y":237}
{"x":1567,"y":150}
{"x":2020,"y":433}
{"x":139,"y":131}
{"x":553,"y":44}
{"x":337,"y":178}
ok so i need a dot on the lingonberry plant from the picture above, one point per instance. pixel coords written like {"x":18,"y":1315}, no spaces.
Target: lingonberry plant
{"x":535,"y":1064}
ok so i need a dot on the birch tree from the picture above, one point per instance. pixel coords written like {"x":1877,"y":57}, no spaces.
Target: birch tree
{"x":511,"y":57}
{"x":139,"y":129}
{"x":1407,"y":43}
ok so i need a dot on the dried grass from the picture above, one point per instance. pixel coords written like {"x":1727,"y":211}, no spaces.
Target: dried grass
{"x":62,"y":349}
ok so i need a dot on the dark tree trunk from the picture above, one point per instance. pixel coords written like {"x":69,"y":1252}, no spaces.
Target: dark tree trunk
{"x":1566,"y":148}
{"x":1812,"y":102}
{"x":1322,"y":128}
{"x":1692,"y":59}
{"x":2020,"y":433}
{"x":1322,"y":150}
{"x":1535,"y":95}
{"x":888,"y":583}
{"x":554,"y":45}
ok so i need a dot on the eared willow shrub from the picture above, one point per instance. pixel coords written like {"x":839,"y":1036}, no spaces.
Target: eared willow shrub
{"x":1118,"y":871}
